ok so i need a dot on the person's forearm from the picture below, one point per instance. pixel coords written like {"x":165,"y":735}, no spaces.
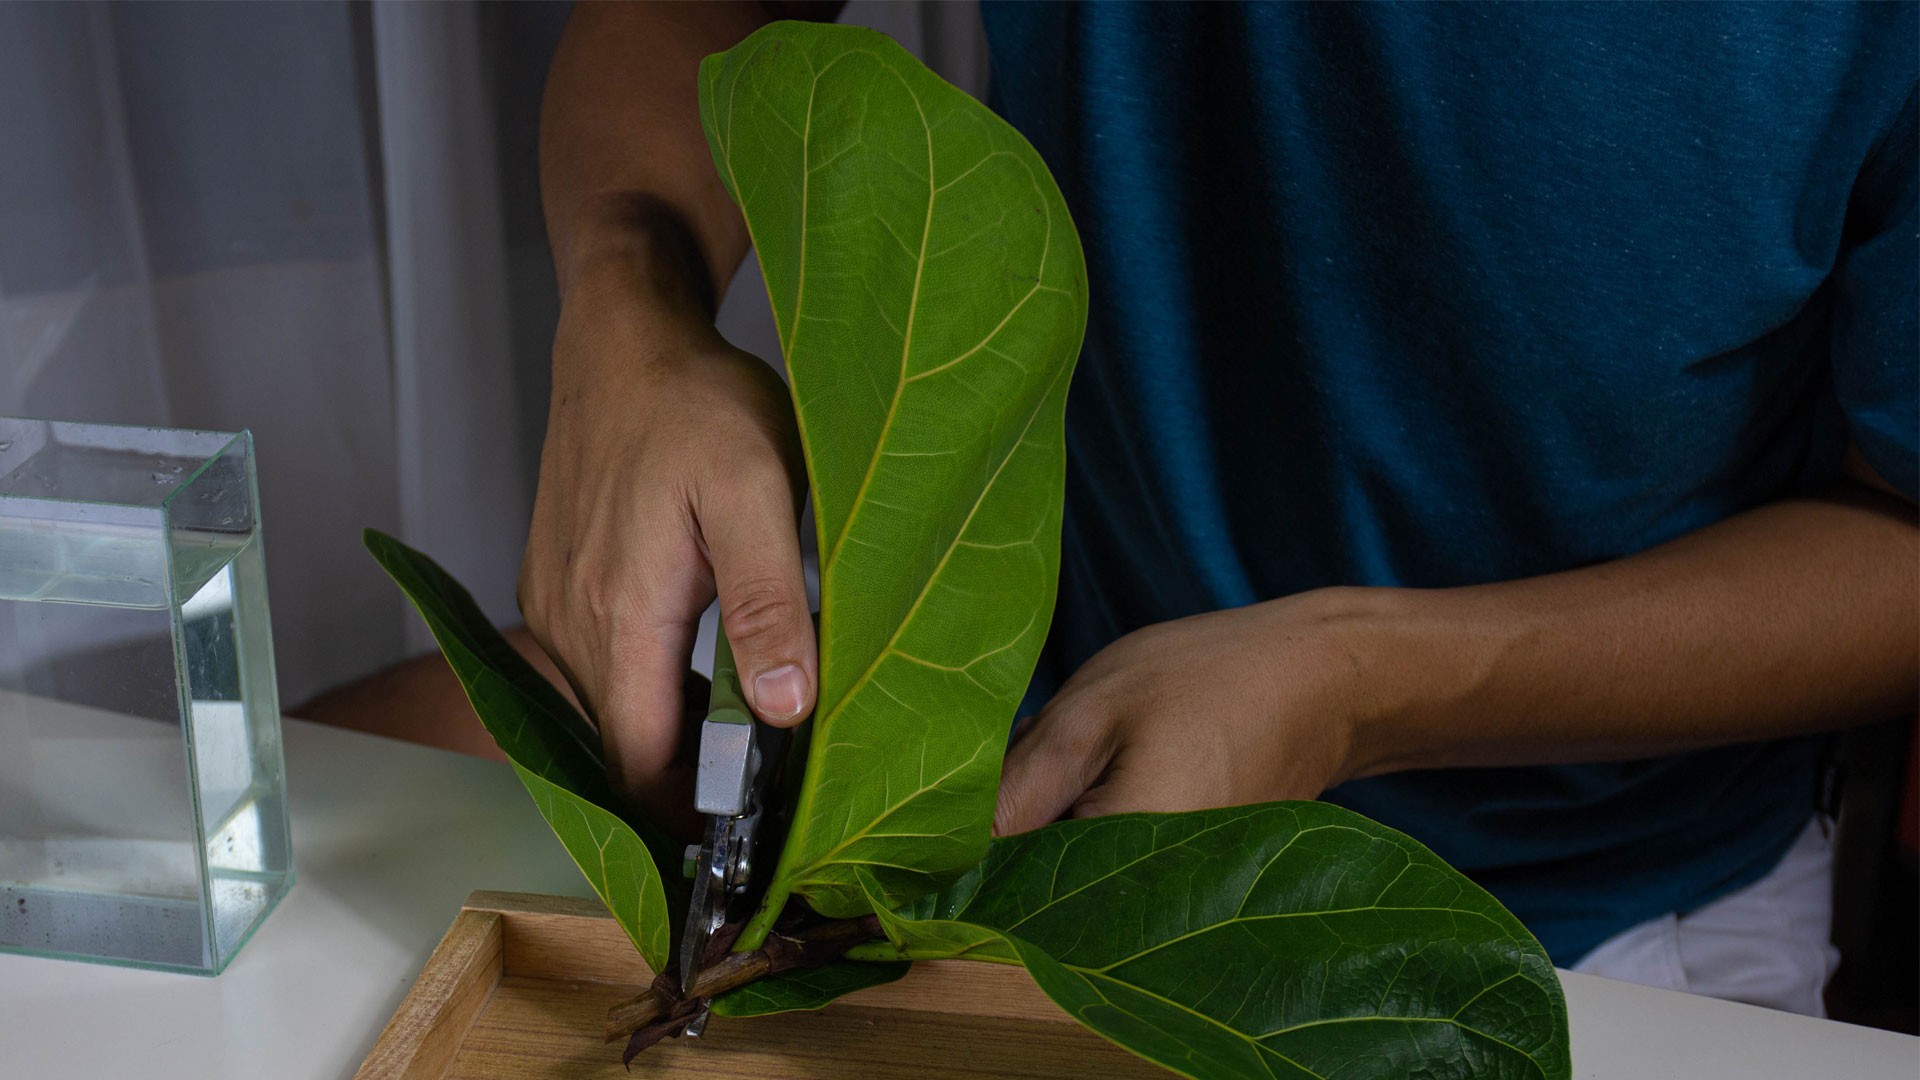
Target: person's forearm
{"x":627,"y":182}
{"x":1799,"y":616}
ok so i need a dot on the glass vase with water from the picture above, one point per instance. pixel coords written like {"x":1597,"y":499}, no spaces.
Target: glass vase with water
{"x":142,"y":792}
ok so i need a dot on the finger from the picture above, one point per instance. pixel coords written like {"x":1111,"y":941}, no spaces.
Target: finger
{"x":530,"y":649}
{"x":1061,"y":755}
{"x":696,"y":696}
{"x":1155,"y":779}
{"x":1020,"y":729}
{"x":640,"y":717}
{"x":1128,"y":788}
{"x":752,"y":536}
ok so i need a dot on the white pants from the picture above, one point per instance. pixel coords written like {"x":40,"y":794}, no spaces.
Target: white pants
{"x":1766,"y":944}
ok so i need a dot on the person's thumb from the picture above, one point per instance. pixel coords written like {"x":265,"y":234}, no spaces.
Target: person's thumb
{"x":753,"y":539}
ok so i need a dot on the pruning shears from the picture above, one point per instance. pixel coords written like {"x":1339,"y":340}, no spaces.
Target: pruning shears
{"x":739,"y":762}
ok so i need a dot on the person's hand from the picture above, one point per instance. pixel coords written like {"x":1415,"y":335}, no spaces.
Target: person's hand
{"x":1223,"y":709}
{"x":671,"y":471}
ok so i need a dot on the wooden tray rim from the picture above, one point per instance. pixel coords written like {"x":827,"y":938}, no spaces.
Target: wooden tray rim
{"x":574,"y":939}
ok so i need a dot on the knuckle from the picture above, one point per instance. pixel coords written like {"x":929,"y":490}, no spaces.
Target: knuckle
{"x":1080,"y":726}
{"x":1091,"y":808}
{"x":759,"y":610}
{"x":762,"y":463}
{"x":745,"y":479}
{"x":1006,"y":819}
{"x":531,"y":599}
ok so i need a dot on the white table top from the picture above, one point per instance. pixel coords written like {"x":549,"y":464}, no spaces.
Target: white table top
{"x":389,"y":838}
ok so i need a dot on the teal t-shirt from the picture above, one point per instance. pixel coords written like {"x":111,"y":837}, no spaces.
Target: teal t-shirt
{"x":1434,"y":295}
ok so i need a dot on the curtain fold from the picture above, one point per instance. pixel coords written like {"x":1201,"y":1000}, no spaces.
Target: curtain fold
{"x":464,"y":451}
{"x":319,"y":221}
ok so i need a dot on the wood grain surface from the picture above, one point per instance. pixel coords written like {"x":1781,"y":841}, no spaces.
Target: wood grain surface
{"x":521,"y":985}
{"x":540,"y":1029}
{"x":454,"y":988}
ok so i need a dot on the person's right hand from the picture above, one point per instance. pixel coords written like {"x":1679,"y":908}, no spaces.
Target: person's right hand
{"x":671,"y":470}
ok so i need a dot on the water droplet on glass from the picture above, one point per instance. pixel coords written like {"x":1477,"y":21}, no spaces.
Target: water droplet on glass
{"x":5,"y":445}
{"x":176,"y":468}
{"x":162,"y":478}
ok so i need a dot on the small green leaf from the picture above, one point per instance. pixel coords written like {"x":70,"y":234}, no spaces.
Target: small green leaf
{"x":1281,"y":940}
{"x":806,"y":988}
{"x":930,"y":296}
{"x":555,"y":752}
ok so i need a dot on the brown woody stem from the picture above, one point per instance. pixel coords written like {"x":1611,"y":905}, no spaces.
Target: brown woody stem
{"x":661,"y":1010}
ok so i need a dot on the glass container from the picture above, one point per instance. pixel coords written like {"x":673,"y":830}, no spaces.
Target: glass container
{"x":142,"y":790}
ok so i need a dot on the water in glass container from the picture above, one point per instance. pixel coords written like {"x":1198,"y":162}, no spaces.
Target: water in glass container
{"x":142,"y":805}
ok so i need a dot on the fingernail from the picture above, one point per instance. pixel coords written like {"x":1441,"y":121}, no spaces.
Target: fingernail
{"x":780,"y":694}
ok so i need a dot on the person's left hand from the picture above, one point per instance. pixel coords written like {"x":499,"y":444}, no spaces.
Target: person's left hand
{"x":1222,"y":709}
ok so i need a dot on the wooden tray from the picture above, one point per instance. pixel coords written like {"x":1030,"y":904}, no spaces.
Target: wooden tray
{"x":520,"y":987}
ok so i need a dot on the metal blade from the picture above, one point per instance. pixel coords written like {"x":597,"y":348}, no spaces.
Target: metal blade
{"x":728,"y":789}
{"x":707,"y":908}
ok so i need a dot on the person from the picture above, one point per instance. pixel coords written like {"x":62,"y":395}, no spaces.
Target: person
{"x":1500,"y":420}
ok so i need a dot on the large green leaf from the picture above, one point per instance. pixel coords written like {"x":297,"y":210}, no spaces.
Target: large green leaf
{"x":555,"y":752}
{"x":930,"y":295}
{"x":1281,"y":940}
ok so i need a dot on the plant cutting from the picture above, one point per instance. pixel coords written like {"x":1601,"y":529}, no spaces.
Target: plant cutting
{"x":930,"y":295}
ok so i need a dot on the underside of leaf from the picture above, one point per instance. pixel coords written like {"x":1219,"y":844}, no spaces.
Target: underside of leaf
{"x":555,"y":752}
{"x":930,"y":295}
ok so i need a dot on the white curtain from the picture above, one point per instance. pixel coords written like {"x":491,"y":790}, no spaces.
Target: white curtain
{"x":320,"y":221}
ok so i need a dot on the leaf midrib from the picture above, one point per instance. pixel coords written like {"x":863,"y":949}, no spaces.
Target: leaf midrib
{"x":803,"y":815}
{"x":1278,"y":916}
{"x":832,"y":555}
{"x":900,"y":804}
{"x":1255,"y":1041}
{"x":807,"y":817}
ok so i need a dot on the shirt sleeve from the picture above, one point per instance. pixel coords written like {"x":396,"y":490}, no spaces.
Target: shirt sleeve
{"x":1876,"y":313}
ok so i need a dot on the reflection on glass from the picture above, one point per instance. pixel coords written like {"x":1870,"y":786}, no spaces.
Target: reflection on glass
{"x":142,"y":807}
